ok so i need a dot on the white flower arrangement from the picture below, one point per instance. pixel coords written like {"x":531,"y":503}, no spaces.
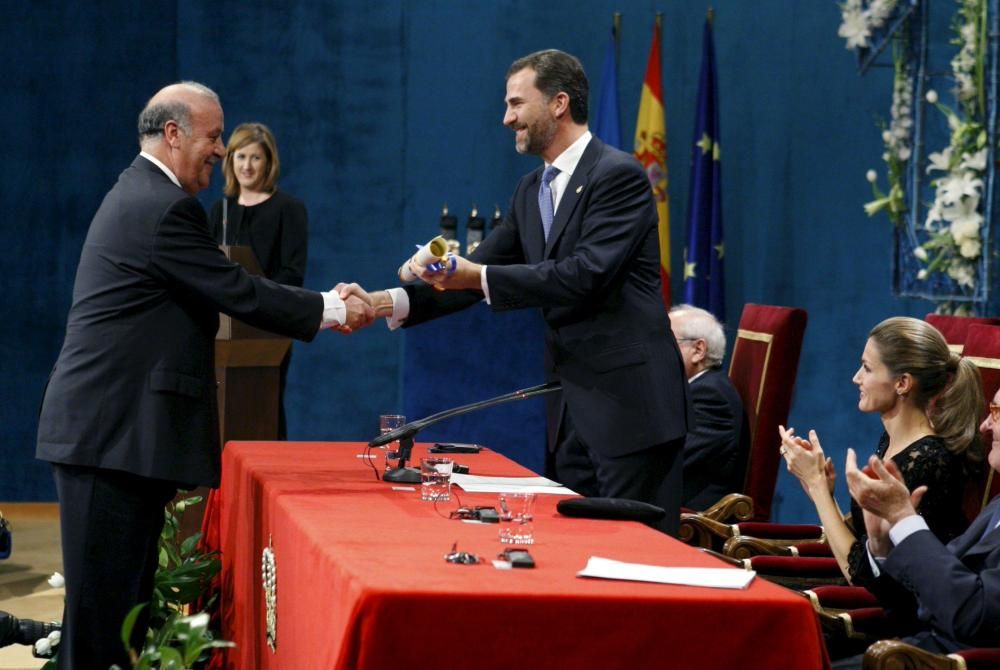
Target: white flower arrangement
{"x":897,"y":138}
{"x":859,"y":19}
{"x":954,"y":219}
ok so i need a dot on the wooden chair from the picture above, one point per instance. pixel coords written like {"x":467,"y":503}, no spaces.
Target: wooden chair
{"x":763,"y":367}
{"x":897,"y":655}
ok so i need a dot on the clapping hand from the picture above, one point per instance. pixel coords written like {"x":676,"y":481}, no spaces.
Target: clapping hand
{"x":805,"y":459}
{"x":883,"y":496}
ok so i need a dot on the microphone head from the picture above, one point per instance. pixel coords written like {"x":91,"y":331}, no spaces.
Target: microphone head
{"x":609,"y":508}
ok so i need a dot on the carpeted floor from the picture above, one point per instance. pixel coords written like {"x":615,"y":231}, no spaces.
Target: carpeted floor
{"x":24,"y":588}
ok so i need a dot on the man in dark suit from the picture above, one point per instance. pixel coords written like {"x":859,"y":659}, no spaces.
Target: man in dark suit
{"x":580,"y":243}
{"x":716,"y":447}
{"x":129,"y":413}
{"x":956,"y":585}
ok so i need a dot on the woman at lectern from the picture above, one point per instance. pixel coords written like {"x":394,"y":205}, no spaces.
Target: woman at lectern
{"x":255,"y":213}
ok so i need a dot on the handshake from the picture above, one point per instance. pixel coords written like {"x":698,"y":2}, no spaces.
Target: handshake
{"x":432,"y":263}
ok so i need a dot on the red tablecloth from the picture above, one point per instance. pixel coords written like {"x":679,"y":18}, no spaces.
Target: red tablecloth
{"x":361,"y":581}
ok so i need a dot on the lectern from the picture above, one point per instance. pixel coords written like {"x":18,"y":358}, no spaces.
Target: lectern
{"x":248,"y":370}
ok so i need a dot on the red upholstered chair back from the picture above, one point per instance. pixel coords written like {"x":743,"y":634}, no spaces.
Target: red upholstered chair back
{"x":956,"y":328}
{"x":764,"y":363}
{"x":982,"y":347}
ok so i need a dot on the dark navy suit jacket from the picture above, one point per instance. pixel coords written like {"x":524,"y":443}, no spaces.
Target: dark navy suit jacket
{"x":716,"y":447}
{"x":597,"y":283}
{"x":957,"y":586}
{"x":134,"y":386}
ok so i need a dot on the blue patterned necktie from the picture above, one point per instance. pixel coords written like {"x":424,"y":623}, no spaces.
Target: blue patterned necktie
{"x":545,"y":204}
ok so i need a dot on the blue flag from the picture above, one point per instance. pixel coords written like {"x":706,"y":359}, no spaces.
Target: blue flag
{"x":607,"y":125}
{"x":704,"y":281}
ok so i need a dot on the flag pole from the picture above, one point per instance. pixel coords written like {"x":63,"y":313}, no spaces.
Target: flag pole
{"x":616,"y":25}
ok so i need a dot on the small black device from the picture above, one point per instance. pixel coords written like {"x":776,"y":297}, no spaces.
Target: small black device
{"x":459,"y":469}
{"x":443,"y":448}
{"x":481,"y":513}
{"x":518,"y":558}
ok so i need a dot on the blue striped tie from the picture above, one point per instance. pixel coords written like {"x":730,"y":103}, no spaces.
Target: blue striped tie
{"x":545,"y":204}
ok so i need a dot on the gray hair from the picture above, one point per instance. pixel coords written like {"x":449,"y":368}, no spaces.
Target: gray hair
{"x":701,"y":324}
{"x":155,"y":115}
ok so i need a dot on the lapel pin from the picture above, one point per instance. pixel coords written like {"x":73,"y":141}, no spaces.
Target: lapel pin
{"x":579,"y":188}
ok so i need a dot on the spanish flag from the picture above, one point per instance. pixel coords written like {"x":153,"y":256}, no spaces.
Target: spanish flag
{"x":651,"y":150}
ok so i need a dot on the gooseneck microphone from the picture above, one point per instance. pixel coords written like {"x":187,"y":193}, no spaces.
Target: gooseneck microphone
{"x":405,"y":433}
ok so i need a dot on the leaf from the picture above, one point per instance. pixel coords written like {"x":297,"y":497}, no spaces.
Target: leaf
{"x":129,"y":624}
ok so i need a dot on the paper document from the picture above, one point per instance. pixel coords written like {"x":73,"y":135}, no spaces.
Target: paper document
{"x":719,"y":578}
{"x":478,"y":484}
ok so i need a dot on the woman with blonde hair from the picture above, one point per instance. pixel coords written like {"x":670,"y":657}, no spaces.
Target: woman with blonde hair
{"x":930,"y":400}
{"x":255,"y":213}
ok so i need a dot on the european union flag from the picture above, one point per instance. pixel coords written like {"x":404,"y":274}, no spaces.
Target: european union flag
{"x":607,"y":124}
{"x":704,"y":281}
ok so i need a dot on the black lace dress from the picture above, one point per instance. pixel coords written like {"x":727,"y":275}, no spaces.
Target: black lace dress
{"x":925,"y":462}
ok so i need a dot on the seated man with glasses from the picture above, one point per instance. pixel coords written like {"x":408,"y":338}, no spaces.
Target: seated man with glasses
{"x":716,"y":447}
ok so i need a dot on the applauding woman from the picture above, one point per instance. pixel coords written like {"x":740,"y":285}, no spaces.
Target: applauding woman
{"x":255,"y":213}
{"x":929,"y":400}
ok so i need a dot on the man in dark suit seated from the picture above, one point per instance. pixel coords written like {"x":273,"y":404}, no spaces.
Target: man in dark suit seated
{"x":716,"y":447}
{"x":580,"y":243}
{"x":129,"y":414}
{"x":957,"y":585}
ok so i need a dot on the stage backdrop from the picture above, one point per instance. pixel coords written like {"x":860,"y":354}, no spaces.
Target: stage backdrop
{"x":383,"y":111}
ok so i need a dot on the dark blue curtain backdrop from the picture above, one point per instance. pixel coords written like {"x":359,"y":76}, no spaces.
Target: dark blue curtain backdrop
{"x":383,"y":111}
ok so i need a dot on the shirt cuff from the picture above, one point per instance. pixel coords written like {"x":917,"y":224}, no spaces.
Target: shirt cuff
{"x":334,"y":310}
{"x":907,"y":527}
{"x":875,"y":562}
{"x":400,"y":308}
{"x":482,"y":282}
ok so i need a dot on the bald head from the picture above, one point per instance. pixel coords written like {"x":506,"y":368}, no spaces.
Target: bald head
{"x":181,"y":126}
{"x":173,"y":103}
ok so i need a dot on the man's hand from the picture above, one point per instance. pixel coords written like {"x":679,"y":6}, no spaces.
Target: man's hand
{"x":358,"y":305}
{"x":465,"y":276}
{"x":882,"y":492}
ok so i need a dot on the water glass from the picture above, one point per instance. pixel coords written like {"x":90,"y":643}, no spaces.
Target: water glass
{"x":435,"y":478}
{"x":386,"y":424}
{"x":517,"y":515}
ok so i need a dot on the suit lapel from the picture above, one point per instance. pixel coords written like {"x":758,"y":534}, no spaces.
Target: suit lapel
{"x":973,"y":542}
{"x":574,"y":191}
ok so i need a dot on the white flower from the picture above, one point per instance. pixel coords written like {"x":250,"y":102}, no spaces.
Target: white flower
{"x":43,"y":647}
{"x":904,"y":153}
{"x":57,"y":581}
{"x":932,"y":96}
{"x":962,"y":274}
{"x":871,"y":176}
{"x":55,"y":637}
{"x":970,"y":248}
{"x":976,"y":161}
{"x":199,"y":620}
{"x":966,"y":86}
{"x":922,"y":274}
{"x":940,"y":160}
{"x":854,"y":28}
{"x":887,"y":136}
{"x":920,"y":253}
{"x":965,"y":229}
{"x":963,"y":184}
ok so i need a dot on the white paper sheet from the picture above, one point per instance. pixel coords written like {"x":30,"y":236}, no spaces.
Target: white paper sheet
{"x":719,"y":578}
{"x":478,"y":484}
